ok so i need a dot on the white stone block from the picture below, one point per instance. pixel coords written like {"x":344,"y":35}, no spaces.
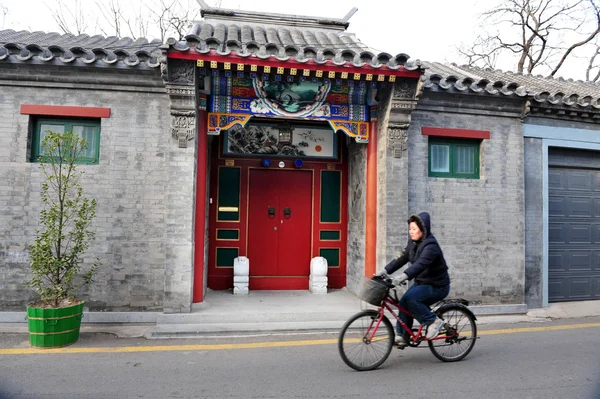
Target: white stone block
{"x":317,"y":283}
{"x":318,"y":266}
{"x":241,"y":278}
{"x":240,"y":285}
{"x":241,"y":266}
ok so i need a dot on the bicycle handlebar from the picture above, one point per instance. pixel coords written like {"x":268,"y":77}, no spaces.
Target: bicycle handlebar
{"x":387,"y":280}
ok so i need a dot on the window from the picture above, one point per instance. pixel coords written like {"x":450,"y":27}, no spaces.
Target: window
{"x":89,"y":129}
{"x":456,"y":158}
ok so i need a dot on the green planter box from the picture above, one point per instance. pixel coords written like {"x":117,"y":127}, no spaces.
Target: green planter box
{"x":54,"y":328}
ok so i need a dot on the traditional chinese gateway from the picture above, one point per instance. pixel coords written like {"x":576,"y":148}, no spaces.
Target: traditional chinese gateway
{"x":282,"y":103}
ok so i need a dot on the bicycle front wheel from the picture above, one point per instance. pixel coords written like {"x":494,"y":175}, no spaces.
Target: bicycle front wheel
{"x":364,"y":343}
{"x":460,"y":331}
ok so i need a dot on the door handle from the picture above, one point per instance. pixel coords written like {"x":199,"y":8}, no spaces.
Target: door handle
{"x":271,"y":212}
{"x":287,"y":212}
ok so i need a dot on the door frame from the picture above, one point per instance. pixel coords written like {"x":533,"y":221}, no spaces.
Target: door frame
{"x":221,"y":277}
{"x":551,"y":136}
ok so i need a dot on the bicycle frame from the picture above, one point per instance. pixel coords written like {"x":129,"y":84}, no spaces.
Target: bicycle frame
{"x":387,"y":304}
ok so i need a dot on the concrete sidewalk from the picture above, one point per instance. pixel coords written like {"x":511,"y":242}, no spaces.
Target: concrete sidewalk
{"x":270,"y":312}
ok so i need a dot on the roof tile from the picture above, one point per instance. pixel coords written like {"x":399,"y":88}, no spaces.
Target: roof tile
{"x":23,"y":46}
{"x":555,"y":91}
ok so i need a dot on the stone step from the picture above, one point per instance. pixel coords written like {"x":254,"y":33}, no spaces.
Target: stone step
{"x":255,"y":317}
{"x":213,"y":329}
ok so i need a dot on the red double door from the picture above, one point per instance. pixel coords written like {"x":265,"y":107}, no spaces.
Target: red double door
{"x":279,"y":228}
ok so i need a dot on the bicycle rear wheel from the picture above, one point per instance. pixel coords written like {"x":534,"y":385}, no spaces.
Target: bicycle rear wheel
{"x":363,"y":347}
{"x":461,"y":332}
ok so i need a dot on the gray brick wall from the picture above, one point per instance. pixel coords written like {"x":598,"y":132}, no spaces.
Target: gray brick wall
{"x":357,"y":169}
{"x":143,"y":185}
{"x":479,"y":223}
{"x":393,"y":194}
{"x":533,"y":222}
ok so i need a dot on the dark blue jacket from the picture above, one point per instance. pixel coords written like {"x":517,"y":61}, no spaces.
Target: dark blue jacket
{"x":428,"y":265}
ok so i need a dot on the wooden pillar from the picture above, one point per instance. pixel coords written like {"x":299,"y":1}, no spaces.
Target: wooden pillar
{"x":371,"y":199}
{"x":200,"y":218}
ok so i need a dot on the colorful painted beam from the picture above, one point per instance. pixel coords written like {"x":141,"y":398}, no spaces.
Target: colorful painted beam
{"x":293,"y":68}
{"x":221,"y":121}
{"x":357,"y":130}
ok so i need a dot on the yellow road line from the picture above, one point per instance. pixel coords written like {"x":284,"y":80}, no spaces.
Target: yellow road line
{"x":534,"y":329}
{"x":166,"y":348}
{"x":254,"y":345}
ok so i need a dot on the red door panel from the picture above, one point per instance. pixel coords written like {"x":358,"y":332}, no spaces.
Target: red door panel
{"x":279,"y":244}
{"x":263,"y":238}
{"x":295,"y":227}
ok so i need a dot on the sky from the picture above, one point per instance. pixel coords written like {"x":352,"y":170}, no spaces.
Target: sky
{"x":429,"y":30}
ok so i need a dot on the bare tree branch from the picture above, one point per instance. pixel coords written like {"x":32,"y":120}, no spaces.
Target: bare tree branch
{"x":111,"y":11}
{"x":4,"y":12}
{"x":69,"y":20}
{"x":536,"y":34}
{"x":581,"y":43}
{"x":591,"y":65}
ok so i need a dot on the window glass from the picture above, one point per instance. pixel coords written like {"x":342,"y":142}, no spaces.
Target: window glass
{"x":440,"y":158}
{"x":465,"y":159}
{"x":454,"y":157}
{"x":89,"y":129}
{"x":89,"y":134}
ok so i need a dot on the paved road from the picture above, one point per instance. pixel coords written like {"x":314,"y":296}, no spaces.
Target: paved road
{"x":558,"y":359}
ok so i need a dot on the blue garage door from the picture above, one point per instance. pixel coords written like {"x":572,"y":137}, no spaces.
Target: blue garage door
{"x":574,"y":225}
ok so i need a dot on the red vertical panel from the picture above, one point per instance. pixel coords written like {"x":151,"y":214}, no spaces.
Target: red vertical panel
{"x":200,"y":222}
{"x":371,"y":211}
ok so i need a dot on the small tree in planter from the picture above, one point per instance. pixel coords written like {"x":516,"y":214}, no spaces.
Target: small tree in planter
{"x":56,"y":254}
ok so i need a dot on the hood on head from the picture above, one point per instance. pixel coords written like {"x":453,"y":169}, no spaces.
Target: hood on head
{"x":423,"y":221}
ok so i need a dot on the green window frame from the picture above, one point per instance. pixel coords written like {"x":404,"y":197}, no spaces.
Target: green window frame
{"x":454,"y":158}
{"x":87,"y":128}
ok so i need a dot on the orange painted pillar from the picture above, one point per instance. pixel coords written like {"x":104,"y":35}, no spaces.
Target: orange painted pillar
{"x":200,"y":218}
{"x":371,"y":208}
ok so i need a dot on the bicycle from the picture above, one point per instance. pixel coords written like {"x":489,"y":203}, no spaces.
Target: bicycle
{"x":367,"y":338}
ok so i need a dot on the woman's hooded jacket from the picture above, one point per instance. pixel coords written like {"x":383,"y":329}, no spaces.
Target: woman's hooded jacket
{"x":428,"y":265}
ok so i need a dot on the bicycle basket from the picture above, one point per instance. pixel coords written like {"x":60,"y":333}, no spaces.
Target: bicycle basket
{"x":373,"y":292}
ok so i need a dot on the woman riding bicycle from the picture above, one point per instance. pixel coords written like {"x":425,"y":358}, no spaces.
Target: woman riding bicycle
{"x":430,"y":273}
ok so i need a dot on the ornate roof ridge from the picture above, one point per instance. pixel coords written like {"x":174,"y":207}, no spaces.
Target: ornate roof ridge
{"x":283,"y":43}
{"x":268,"y":18}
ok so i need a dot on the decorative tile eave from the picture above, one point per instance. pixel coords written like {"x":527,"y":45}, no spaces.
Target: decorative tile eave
{"x":556,"y":96}
{"x":465,"y":85}
{"x":354,"y":54}
{"x":546,"y":110}
{"x":560,"y":100}
{"x":314,"y":65}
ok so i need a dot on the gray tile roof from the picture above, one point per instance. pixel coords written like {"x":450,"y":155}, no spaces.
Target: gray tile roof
{"x":23,"y":46}
{"x":548,"y":90}
{"x":285,"y":37}
{"x":302,"y":39}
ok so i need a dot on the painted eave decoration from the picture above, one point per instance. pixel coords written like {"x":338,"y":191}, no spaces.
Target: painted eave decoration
{"x":287,"y":66}
{"x":238,"y":96}
{"x":341,"y":65}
